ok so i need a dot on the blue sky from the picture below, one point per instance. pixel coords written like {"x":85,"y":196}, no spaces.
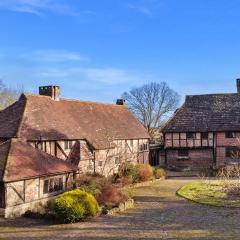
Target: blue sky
{"x":95,"y":49}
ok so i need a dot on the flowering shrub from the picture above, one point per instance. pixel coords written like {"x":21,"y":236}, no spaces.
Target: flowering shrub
{"x":74,"y":206}
{"x":159,"y":173}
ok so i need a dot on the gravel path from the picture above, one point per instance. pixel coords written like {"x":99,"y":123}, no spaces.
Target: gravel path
{"x":159,"y":214}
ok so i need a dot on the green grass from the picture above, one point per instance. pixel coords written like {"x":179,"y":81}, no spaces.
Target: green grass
{"x":207,"y":192}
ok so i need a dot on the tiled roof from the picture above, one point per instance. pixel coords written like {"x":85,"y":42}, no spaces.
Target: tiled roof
{"x":33,"y":117}
{"x":19,"y":160}
{"x":202,"y":113}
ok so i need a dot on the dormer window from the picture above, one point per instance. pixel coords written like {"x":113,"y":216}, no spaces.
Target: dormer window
{"x":68,"y":145}
{"x":231,"y":135}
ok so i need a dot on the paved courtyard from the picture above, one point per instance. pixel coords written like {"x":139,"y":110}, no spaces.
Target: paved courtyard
{"x":158,"y":214}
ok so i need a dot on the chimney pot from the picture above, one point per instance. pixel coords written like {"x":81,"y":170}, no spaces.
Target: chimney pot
{"x":120,"y":102}
{"x":238,"y":85}
{"x":51,"y":91}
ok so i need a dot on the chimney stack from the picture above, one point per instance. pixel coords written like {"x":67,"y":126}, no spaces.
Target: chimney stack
{"x":51,"y":91}
{"x":120,"y":102}
{"x":238,"y":85}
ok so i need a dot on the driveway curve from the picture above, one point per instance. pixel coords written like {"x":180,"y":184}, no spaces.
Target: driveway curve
{"x":158,"y":214}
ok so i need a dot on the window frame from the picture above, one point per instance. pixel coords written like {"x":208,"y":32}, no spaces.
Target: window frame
{"x":68,"y":144}
{"x":231,"y":135}
{"x":143,"y":147}
{"x":53,"y":185}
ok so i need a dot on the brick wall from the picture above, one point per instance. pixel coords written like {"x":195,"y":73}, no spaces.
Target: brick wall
{"x":221,"y":144}
{"x":199,"y":159}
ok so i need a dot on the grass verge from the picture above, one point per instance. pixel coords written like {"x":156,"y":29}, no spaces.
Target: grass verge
{"x":208,"y":193}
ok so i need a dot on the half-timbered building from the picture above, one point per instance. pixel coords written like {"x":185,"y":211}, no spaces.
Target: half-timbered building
{"x":204,"y":133}
{"x":46,"y":142}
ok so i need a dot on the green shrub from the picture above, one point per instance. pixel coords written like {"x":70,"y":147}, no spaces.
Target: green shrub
{"x":92,"y":187}
{"x":129,"y":169}
{"x":145,"y":172}
{"x":159,"y":173}
{"x":74,"y":206}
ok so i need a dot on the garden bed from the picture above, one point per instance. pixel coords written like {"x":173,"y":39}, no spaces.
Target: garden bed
{"x":210,"y":192}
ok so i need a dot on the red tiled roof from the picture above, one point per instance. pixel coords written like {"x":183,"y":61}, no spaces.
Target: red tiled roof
{"x":19,"y":160}
{"x":70,"y":119}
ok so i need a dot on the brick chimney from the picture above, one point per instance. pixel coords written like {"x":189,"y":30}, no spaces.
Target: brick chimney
{"x":238,"y":85}
{"x":120,"y":102}
{"x":51,"y":91}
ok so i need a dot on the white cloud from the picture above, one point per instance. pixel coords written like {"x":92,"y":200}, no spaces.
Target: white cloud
{"x":53,"y":55}
{"x":141,"y":9}
{"x":36,"y":6}
{"x":108,"y":76}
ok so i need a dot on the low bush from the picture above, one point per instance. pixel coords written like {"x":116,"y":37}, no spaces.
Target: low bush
{"x":128,"y":180}
{"x":145,"y":172}
{"x":129,"y":169}
{"x":74,"y":206}
{"x":116,"y":178}
{"x":93,"y":187}
{"x":159,"y":173}
{"x":110,"y":196}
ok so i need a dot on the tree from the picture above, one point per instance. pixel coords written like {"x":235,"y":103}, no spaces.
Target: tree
{"x":152,"y":103}
{"x":7,"y":95}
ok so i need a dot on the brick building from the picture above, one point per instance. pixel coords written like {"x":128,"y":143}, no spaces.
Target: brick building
{"x":203,"y":134}
{"x":46,"y":142}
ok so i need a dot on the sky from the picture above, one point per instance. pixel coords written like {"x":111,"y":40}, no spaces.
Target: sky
{"x":95,"y":50}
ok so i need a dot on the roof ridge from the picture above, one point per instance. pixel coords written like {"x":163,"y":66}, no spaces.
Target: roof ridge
{"x":212,"y":94}
{"x":71,"y":100}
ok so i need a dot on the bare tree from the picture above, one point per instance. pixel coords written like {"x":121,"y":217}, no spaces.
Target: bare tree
{"x":8,"y":95}
{"x":151,"y":103}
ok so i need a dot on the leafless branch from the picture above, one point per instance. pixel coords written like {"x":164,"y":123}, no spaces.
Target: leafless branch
{"x":151,"y":103}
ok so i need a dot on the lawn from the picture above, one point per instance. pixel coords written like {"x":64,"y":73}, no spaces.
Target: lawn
{"x":210,"y":192}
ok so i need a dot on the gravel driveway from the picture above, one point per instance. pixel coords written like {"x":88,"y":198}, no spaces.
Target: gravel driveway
{"x":159,"y":214}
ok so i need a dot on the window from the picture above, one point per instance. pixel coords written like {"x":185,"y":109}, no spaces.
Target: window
{"x":231,"y":135}
{"x":68,"y":145}
{"x":183,"y":152}
{"x":190,"y":135}
{"x":204,"y":135}
{"x":53,"y":185}
{"x":232,"y":152}
{"x":143,"y":147}
{"x":100,"y":163}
